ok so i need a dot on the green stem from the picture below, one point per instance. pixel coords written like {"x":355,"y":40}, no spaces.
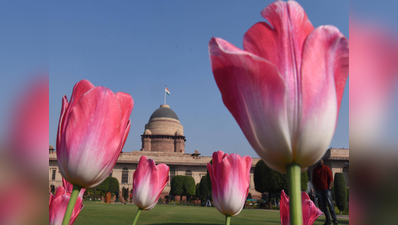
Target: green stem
{"x":71,"y":204}
{"x":137,"y":215}
{"x":294,"y":181}
{"x":227,"y":219}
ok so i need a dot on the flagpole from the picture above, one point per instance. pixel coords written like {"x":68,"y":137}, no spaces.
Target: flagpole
{"x":165,"y":94}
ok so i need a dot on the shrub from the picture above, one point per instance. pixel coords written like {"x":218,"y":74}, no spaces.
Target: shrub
{"x":348,"y":194}
{"x":103,"y":187}
{"x":113,"y":184}
{"x":340,"y":191}
{"x":183,"y":185}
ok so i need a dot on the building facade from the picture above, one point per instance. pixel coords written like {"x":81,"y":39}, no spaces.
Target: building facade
{"x":163,"y":140}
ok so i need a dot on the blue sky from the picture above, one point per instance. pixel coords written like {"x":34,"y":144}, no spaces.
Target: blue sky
{"x":138,"y":47}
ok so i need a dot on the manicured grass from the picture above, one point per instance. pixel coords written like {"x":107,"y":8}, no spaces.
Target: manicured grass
{"x":101,"y":213}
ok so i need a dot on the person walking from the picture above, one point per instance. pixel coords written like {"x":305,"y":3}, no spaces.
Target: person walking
{"x":322,"y":179}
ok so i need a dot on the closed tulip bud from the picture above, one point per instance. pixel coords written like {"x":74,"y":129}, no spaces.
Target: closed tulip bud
{"x":230,"y":181}
{"x":149,"y":181}
{"x":92,"y":130}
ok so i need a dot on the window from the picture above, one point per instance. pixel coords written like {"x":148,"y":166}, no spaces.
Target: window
{"x":188,"y":173}
{"x":172,"y":173}
{"x":125,"y":175}
{"x":53,"y":174}
{"x":52,"y":188}
{"x":110,"y":174}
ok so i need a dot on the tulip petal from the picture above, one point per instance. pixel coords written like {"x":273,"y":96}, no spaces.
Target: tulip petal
{"x":85,"y":137}
{"x":324,"y":72}
{"x":284,"y":209}
{"x":281,"y":43}
{"x":310,"y":212}
{"x":126,"y":104}
{"x":80,"y":89}
{"x":255,"y":94}
{"x":62,"y":119}
{"x":67,"y":186}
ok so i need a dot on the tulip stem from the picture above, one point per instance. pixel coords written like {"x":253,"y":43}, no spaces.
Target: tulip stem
{"x":227,"y":219}
{"x":71,"y":204}
{"x":137,"y":215}
{"x":294,"y":182}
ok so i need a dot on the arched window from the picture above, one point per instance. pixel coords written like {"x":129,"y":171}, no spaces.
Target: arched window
{"x":125,"y":175}
{"x":188,"y":173}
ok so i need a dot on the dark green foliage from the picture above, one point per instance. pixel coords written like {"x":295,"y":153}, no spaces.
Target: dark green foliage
{"x":208,"y":177}
{"x":103,"y":187}
{"x":340,"y":191}
{"x":177,"y":185}
{"x":113,"y":184}
{"x":204,"y":188}
{"x":189,"y":186}
{"x":348,"y":194}
{"x":304,"y":181}
{"x":183,"y":185}
{"x":258,"y":178}
{"x":266,"y":179}
{"x":197,"y":193}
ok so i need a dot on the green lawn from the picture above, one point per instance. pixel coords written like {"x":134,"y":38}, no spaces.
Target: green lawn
{"x":101,"y":213}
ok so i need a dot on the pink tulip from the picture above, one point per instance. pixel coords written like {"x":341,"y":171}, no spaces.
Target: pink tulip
{"x":310,"y":211}
{"x":284,"y":89}
{"x":230,"y":181}
{"x":59,"y":202}
{"x":149,"y":181}
{"x":92,"y":130}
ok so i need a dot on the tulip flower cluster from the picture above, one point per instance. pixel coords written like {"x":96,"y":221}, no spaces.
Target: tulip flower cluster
{"x":59,"y":203}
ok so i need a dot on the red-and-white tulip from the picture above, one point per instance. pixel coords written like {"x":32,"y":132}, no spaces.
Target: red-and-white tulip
{"x":310,"y":211}
{"x":59,"y":202}
{"x":92,"y":130}
{"x":149,"y":181}
{"x":284,"y":89}
{"x":230,"y":181}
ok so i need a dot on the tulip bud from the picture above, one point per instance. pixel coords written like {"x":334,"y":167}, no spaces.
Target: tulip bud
{"x":230,"y":181}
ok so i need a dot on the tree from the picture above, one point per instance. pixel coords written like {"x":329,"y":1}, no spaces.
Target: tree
{"x":183,"y":185}
{"x":113,"y":184}
{"x":304,"y":182}
{"x":208,"y":177}
{"x":258,"y":176}
{"x":267,"y":180}
{"x":177,"y":185}
{"x":340,"y":191}
{"x":103,"y":187}
{"x":189,"y":186}
{"x":197,"y":193}
{"x":204,"y":187}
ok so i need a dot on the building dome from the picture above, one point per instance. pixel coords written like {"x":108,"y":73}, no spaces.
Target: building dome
{"x":163,"y":132}
{"x":164,"y":112}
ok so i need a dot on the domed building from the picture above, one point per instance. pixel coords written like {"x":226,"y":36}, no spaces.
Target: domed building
{"x":163,"y":140}
{"x":163,"y":132}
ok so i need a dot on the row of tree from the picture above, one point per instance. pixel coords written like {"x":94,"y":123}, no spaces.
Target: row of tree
{"x":268,"y":180}
{"x":110,"y":184}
